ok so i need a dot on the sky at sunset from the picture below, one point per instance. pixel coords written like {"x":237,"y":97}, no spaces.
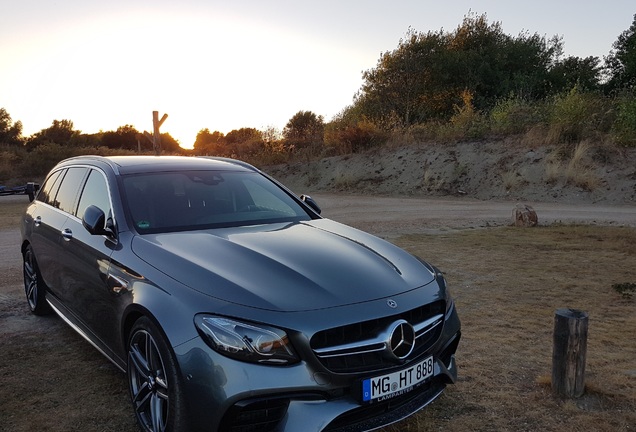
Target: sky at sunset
{"x":224,"y":65}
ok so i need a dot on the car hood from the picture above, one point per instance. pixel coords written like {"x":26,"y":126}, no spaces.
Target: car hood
{"x":285,"y":267}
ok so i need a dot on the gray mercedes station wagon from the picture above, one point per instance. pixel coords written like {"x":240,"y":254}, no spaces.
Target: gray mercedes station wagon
{"x":230,"y":303}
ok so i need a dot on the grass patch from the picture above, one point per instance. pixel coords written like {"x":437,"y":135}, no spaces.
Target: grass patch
{"x":507,"y":284}
{"x":11,"y":207}
{"x":626,"y":289}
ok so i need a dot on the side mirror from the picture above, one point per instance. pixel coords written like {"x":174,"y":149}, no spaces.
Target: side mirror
{"x":311,"y":203}
{"x":94,"y":221}
{"x":31,"y":190}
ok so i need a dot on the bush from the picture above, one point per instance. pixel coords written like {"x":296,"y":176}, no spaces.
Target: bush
{"x":624,"y":126}
{"x":466,"y":123}
{"x":514,"y":115}
{"x":352,"y":138}
{"x":575,"y":116}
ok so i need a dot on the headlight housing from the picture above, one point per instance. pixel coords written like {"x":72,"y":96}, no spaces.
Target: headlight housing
{"x":254,"y":343}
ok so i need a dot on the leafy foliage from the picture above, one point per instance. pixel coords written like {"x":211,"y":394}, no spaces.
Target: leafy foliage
{"x":304,"y":129}
{"x":426,"y":76}
{"x":125,"y":137}
{"x":621,"y":62}
{"x":624,"y":127}
{"x":10,"y":133}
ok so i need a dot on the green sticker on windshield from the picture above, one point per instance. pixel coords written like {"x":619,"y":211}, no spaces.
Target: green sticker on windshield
{"x":143,"y":224}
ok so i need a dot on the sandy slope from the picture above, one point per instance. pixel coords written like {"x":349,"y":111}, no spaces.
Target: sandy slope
{"x":483,"y":170}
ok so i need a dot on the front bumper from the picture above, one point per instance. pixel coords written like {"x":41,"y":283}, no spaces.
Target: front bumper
{"x":224,"y":394}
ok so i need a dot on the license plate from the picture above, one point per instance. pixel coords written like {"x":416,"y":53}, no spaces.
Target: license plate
{"x":397,"y":383}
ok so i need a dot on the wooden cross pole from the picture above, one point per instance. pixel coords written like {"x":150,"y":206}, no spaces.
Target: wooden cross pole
{"x":155,"y":138}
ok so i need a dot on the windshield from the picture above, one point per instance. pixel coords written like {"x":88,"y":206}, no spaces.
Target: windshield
{"x":193,"y":200}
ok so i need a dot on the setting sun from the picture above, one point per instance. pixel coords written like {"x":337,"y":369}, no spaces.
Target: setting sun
{"x":210,"y":64}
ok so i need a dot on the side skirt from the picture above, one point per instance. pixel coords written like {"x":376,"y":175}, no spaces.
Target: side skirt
{"x":82,"y":333}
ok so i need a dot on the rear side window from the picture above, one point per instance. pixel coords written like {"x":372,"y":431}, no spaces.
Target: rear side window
{"x":95,"y":193}
{"x":49,"y":190}
{"x":66,"y":198}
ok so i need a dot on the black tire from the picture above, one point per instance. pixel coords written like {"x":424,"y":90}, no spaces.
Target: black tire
{"x":153,"y":379}
{"x":34,"y":286}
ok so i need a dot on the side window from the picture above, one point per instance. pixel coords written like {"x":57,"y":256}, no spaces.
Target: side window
{"x":95,"y":193}
{"x":66,"y":199}
{"x":49,"y":190}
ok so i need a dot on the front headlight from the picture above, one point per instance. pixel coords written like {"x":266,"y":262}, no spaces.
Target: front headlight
{"x":253,"y":343}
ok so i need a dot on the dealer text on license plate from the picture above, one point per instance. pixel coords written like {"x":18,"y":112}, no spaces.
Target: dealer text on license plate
{"x":397,"y":383}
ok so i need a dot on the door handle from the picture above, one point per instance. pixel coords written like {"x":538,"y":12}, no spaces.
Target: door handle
{"x":67,"y":234}
{"x":37,"y":221}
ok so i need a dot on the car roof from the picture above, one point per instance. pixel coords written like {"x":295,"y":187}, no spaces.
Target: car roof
{"x":142,"y":164}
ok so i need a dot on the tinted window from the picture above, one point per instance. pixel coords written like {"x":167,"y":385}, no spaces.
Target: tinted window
{"x":66,"y":198}
{"x":95,"y":193}
{"x":48,"y":191}
{"x":177,"y":201}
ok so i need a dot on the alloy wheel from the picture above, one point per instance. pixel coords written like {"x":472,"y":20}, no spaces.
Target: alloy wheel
{"x":148,"y":382}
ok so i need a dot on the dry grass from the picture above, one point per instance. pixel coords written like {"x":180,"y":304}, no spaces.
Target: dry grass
{"x":578,"y":170}
{"x":507,"y":284}
{"x":11,"y":207}
{"x":512,"y":180}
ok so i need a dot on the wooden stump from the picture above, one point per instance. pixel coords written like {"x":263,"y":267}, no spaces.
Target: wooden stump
{"x":569,"y":352}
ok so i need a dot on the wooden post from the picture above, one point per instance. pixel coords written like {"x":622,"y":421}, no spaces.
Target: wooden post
{"x":155,"y":138}
{"x":569,"y":352}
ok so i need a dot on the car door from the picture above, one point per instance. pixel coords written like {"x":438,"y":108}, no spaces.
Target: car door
{"x":47,"y":223}
{"x":87,"y":263}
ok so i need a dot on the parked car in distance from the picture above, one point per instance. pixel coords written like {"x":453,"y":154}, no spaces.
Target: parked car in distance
{"x":230,"y":303}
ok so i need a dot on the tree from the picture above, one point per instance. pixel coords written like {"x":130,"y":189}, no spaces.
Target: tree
{"x":10,"y":133}
{"x":621,"y":62}
{"x":207,"y":143}
{"x":125,"y":137}
{"x":426,"y":76}
{"x":169,"y":144}
{"x":585,"y":73}
{"x":60,"y":132}
{"x":243,"y":135}
{"x":304,"y":129}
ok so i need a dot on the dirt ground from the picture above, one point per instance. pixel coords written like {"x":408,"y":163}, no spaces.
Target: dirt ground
{"x":65,"y":399}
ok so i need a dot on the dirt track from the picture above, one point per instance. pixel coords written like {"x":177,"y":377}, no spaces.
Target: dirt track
{"x":393,"y":216}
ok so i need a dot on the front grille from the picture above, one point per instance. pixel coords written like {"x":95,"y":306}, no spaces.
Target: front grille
{"x":255,"y":416}
{"x":362,"y":347}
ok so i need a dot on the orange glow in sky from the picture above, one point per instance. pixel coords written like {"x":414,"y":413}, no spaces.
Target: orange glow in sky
{"x":226,"y":65}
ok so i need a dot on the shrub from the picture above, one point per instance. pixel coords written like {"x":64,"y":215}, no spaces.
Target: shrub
{"x":514,"y":115}
{"x":352,"y":138}
{"x":575,"y":115}
{"x":466,"y":123}
{"x":624,"y":126}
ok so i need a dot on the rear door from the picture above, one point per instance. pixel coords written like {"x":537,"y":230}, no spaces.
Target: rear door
{"x":48,"y":221}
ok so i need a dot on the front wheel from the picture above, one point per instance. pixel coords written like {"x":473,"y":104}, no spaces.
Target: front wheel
{"x":155,"y":387}
{"x":34,"y":286}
